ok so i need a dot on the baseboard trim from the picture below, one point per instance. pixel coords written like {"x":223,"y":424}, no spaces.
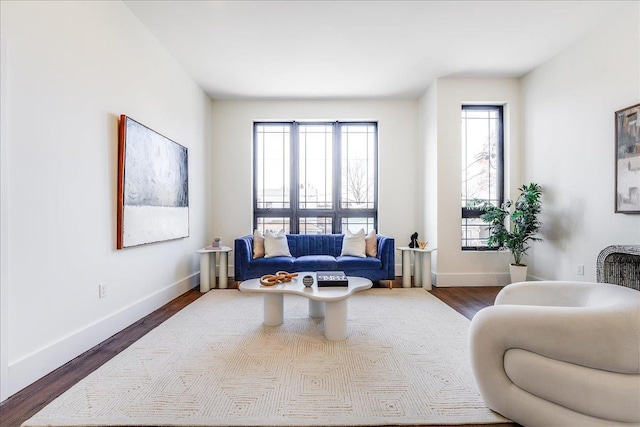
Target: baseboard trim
{"x":36,"y":365}
{"x":454,"y":280}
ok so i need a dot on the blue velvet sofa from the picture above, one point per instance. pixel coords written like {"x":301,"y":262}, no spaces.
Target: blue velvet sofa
{"x":315,"y":253}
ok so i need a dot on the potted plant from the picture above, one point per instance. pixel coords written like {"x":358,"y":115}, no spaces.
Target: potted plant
{"x":521,"y":230}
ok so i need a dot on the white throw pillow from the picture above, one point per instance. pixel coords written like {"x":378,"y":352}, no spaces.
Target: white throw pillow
{"x":275,"y":244}
{"x":371,"y":242}
{"x":354,"y":244}
{"x":258,"y":244}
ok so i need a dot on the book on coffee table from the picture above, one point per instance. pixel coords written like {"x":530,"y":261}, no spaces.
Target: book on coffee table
{"x":332,"y":278}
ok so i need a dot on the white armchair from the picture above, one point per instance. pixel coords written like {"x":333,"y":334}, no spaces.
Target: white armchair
{"x":560,"y":354}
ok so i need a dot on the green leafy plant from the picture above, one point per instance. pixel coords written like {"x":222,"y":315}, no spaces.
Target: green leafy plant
{"x":523,"y":221}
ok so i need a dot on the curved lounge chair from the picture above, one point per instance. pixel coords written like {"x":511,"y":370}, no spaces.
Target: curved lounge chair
{"x":560,"y":354}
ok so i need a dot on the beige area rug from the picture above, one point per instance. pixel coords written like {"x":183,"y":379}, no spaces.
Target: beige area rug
{"x":214,"y":363}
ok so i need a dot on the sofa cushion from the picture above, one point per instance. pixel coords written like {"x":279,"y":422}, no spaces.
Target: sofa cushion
{"x":315,"y":244}
{"x":352,"y":263}
{"x":315,"y":263}
{"x":258,"y":244}
{"x":354,"y":244}
{"x":263,"y":266}
{"x":275,"y":244}
{"x":371,"y":243}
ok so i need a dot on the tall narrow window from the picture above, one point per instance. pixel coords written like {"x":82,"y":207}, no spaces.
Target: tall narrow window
{"x":324,"y":177}
{"x":315,"y":166}
{"x":482,"y":168}
{"x":272,"y":185}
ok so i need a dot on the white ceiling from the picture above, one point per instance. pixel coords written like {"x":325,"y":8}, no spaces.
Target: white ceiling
{"x":361,"y":49}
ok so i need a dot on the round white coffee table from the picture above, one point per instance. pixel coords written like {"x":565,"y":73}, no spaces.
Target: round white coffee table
{"x":327,"y":302}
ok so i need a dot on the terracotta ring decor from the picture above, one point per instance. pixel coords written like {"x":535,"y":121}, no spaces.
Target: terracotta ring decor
{"x":279,"y":277}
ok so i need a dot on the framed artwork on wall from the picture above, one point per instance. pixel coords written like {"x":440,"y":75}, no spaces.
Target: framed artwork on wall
{"x":628,"y":159}
{"x":153,"y":186}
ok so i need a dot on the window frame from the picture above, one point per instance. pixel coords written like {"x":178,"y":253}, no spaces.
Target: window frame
{"x":470,"y":213}
{"x":294,"y":212}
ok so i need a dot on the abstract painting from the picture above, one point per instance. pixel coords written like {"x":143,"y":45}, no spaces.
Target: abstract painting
{"x":153,"y":186}
{"x":627,"y":122}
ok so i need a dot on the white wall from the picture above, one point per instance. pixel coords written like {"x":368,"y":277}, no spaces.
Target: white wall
{"x":440,"y":110}
{"x":4,"y":226}
{"x":72,"y":69}
{"x":232,"y":186}
{"x":568,"y":106}
{"x":428,"y":154}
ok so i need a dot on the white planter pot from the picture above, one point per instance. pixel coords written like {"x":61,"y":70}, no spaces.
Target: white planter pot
{"x":518,"y":273}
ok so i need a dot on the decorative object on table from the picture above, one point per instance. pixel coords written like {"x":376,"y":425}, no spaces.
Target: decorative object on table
{"x":216,"y":242}
{"x":153,"y":186}
{"x":627,"y":123}
{"x":524,"y":224}
{"x":332,"y":278}
{"x":307,"y":281}
{"x":414,"y":240}
{"x":279,"y":277}
{"x":422,"y":244}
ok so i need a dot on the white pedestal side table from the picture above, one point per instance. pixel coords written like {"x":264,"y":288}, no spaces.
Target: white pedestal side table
{"x":422,"y":266}
{"x":208,"y":268}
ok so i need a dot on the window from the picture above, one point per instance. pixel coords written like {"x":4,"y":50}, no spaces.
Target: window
{"x":482,"y":168}
{"x":315,"y":178}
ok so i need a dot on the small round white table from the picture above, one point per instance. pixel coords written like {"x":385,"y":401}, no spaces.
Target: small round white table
{"x":208,"y":268}
{"x":327,"y":302}
{"x":421,"y":266}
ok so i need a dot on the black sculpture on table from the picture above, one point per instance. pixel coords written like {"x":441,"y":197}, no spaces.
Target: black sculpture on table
{"x":414,"y":240}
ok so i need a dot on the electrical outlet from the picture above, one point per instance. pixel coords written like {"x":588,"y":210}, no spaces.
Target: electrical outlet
{"x":580,"y":270}
{"x":102,"y":290}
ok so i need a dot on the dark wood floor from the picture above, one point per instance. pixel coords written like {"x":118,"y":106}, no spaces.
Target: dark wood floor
{"x":26,"y":403}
